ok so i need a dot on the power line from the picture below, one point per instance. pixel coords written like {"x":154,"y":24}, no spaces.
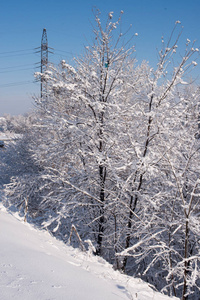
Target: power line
{"x":62,"y":55}
{"x":68,"y":52}
{"x":17,"y":70}
{"x":7,"y":52}
{"x":20,"y":54}
{"x":14,"y":67}
{"x":16,"y":83}
{"x":44,"y":50}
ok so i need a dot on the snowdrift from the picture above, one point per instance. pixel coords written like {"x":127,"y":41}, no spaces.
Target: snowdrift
{"x":34,"y":265}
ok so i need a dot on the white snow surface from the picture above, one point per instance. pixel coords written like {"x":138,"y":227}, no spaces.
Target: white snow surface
{"x":36,"y":266}
{"x":9,"y":136}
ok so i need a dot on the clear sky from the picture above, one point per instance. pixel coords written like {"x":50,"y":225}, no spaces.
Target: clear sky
{"x":68,"y":25}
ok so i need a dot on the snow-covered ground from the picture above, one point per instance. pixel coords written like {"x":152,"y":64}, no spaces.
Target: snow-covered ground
{"x":9,"y":136}
{"x":36,"y":266}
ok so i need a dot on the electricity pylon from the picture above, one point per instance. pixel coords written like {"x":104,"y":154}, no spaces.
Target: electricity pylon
{"x":44,"y":62}
{"x":44,"y":50}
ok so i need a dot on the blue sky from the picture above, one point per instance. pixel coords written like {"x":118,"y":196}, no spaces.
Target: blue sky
{"x":68,"y":25}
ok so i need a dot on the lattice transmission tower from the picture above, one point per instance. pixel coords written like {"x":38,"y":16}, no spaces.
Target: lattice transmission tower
{"x":44,"y":62}
{"x":44,"y":50}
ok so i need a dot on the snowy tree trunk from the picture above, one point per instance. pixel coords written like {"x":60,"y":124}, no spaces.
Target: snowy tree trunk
{"x":102,"y":179}
{"x":186,"y":261}
{"x":134,"y":199}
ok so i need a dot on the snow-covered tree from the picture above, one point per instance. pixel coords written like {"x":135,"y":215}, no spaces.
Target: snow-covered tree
{"x":85,"y":105}
{"x":115,"y":147}
{"x":167,"y":189}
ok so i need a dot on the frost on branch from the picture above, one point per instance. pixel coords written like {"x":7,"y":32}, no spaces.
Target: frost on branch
{"x":110,"y":15}
{"x":194,"y":63}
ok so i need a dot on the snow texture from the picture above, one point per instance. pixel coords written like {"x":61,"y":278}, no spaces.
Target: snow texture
{"x":34,"y":265}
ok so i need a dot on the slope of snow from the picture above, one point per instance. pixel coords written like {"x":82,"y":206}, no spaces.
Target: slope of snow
{"x":9,"y":136}
{"x":34,"y":265}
